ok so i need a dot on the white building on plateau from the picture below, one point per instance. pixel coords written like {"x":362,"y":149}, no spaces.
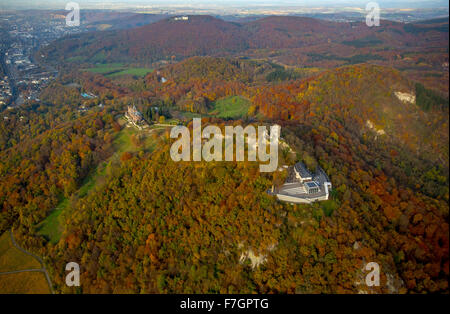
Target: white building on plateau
{"x":305,"y":187}
{"x":181,"y":18}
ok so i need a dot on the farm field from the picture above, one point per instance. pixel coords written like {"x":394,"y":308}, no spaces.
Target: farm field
{"x":12,"y":259}
{"x":118,"y":69}
{"x":24,"y":283}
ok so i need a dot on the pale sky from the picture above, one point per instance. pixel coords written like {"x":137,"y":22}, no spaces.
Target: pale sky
{"x":60,"y":4}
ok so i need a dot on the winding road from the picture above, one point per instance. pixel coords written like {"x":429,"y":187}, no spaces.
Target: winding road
{"x":42,"y":270}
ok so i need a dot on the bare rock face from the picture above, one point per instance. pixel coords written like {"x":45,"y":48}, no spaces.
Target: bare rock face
{"x":371,"y":126}
{"x":256,"y":260}
{"x":406,"y":97}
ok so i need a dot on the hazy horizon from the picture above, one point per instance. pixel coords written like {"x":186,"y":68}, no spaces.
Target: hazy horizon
{"x":136,"y":4}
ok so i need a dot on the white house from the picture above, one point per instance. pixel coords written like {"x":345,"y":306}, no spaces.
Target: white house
{"x":306,"y":187}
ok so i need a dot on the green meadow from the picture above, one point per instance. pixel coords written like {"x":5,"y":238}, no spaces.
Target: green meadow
{"x":118,"y":69}
{"x":232,"y":107}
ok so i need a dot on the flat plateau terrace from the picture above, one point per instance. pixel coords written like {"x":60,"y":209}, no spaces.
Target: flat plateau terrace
{"x":303,"y":186}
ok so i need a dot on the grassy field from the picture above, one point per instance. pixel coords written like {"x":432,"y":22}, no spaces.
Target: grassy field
{"x":24,"y":283}
{"x":106,"y":68}
{"x":76,"y":59}
{"x":132,"y":71}
{"x":52,"y":227}
{"x":117,"y":69}
{"x":231,"y":107}
{"x":190,"y":115}
{"x":12,"y":259}
{"x":123,"y":143}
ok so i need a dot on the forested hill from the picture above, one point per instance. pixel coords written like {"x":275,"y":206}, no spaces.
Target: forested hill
{"x":366,"y":97}
{"x":370,"y":99}
{"x":162,"y":227}
{"x":200,"y":35}
{"x":138,"y":222}
{"x":217,"y":69}
{"x":206,"y":35}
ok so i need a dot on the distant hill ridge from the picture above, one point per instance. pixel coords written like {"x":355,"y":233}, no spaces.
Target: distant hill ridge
{"x":207,"y":35}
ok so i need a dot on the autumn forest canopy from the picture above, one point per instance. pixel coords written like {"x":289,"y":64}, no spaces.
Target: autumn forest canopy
{"x":79,"y":182}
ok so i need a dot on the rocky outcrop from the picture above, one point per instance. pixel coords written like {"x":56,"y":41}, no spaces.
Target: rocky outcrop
{"x":406,"y":97}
